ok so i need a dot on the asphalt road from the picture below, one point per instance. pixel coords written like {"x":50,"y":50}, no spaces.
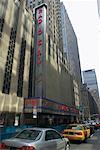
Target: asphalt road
{"x":92,"y":143}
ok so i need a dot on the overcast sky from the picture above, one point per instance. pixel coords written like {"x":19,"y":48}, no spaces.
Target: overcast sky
{"x":86,"y":23}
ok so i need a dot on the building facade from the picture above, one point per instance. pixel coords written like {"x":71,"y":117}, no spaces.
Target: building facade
{"x":15,"y":48}
{"x":89,"y":78}
{"x":85,"y":103}
{"x":89,"y":106}
{"x":70,"y":46}
{"x":93,"y":105}
{"x":52,"y":95}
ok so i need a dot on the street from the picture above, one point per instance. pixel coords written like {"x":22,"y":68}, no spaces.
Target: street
{"x":92,"y":143}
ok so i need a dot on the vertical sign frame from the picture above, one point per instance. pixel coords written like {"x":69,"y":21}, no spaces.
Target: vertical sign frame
{"x":40,"y":51}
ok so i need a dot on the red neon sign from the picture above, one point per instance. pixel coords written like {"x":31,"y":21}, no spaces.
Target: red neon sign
{"x":39,"y":42}
{"x":74,"y":110}
{"x":39,"y":20}
{"x":31,"y":102}
{"x":63,"y":108}
{"x":39,"y":34}
{"x":40,"y":31}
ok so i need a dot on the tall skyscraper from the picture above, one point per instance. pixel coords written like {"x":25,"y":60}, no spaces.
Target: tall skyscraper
{"x":70,"y":46}
{"x":89,"y":105}
{"x":89,"y":78}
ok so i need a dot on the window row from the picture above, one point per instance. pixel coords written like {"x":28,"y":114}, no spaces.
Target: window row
{"x":21,"y":69}
{"x":9,"y":63}
{"x":1,"y":26}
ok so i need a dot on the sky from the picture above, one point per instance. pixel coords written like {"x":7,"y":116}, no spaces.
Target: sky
{"x":85,"y":20}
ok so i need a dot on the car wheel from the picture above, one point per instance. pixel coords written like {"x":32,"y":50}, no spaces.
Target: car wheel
{"x":67,"y":146}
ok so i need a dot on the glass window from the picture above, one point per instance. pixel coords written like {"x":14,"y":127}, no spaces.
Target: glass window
{"x":56,"y":135}
{"x":21,"y":69}
{"x":29,"y":134}
{"x":49,"y":45}
{"x":50,"y":135}
{"x":9,"y":62}
{"x":75,"y":127}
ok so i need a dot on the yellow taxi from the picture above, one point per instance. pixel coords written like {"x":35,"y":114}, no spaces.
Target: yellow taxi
{"x":76,"y":132}
{"x":87,"y":130}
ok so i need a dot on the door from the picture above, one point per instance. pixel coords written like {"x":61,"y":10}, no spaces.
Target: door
{"x":54,"y":141}
{"x":50,"y":142}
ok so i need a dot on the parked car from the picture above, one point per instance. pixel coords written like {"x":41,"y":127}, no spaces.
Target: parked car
{"x":36,"y":139}
{"x":76,"y":132}
{"x":86,"y":130}
{"x":91,"y":122}
{"x":97,"y":126}
{"x":91,"y":127}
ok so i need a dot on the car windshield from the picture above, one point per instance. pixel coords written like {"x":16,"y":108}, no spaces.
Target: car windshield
{"x":29,"y":134}
{"x":75,"y":127}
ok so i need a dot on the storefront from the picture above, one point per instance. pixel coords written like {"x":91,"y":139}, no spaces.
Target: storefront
{"x":45,"y":112}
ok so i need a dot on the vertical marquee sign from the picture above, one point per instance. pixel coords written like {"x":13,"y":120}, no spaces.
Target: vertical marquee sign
{"x":40,"y":50}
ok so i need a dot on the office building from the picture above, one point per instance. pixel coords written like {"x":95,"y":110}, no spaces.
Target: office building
{"x":89,"y":78}
{"x":70,"y":47}
{"x":89,"y":105}
{"x":15,"y":48}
